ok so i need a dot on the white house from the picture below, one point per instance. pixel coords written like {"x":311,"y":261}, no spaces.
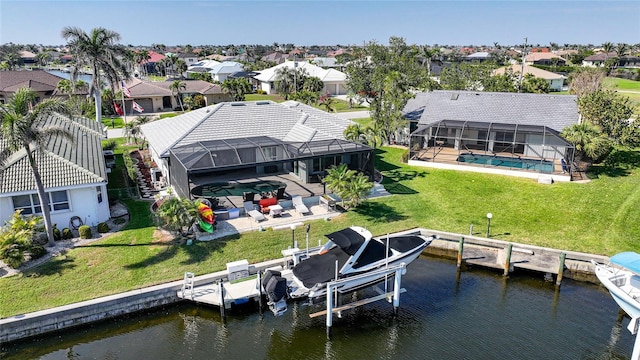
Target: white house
{"x":221,"y":72}
{"x":335,"y":82}
{"x":555,"y":80}
{"x":73,"y":173}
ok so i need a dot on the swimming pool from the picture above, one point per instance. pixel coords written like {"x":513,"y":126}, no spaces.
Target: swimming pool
{"x":236,"y":189}
{"x":543,"y":166}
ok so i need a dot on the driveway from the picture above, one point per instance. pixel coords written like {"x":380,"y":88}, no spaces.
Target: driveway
{"x":353,"y":114}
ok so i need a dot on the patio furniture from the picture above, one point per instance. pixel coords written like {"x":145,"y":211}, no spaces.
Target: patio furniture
{"x":301,"y":208}
{"x":250,"y":209}
{"x":279,"y":193}
{"x":265,"y":203}
{"x":275,"y":210}
{"x":248,"y":196}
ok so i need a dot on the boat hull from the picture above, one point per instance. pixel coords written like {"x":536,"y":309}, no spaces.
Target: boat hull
{"x":620,"y":284}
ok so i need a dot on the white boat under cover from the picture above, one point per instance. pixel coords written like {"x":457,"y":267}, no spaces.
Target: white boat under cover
{"x":621,"y":277}
{"x":353,"y":251}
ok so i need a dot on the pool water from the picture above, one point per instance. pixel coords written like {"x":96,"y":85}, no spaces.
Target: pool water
{"x":543,"y":166}
{"x":236,"y":189}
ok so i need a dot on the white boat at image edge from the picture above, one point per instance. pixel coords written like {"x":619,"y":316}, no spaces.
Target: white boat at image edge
{"x":622,"y":278}
{"x":349,"y":253}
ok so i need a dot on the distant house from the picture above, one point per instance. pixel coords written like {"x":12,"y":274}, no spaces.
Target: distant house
{"x":188,"y":58}
{"x":478,"y":57}
{"x":27,"y":57}
{"x":277,"y":57}
{"x":502,"y":133}
{"x":328,"y":63}
{"x":543,"y":58}
{"x":149,"y":66}
{"x":155,"y":96}
{"x":73,"y":173}
{"x":221,"y":72}
{"x":335,"y":82}
{"x":42,"y":82}
{"x":250,"y":140}
{"x":555,"y":81}
{"x":598,"y":59}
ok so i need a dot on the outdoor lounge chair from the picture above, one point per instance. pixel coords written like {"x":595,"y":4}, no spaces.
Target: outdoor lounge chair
{"x":250,"y":209}
{"x":301,"y":208}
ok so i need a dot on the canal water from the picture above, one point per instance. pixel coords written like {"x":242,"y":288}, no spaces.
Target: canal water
{"x":85,"y":77}
{"x":480,"y":316}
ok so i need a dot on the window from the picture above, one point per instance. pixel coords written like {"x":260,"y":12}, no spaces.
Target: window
{"x":270,"y":153}
{"x":30,"y":204}
{"x":99,"y":191}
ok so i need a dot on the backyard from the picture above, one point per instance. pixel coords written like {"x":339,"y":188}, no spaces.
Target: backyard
{"x":597,"y":217}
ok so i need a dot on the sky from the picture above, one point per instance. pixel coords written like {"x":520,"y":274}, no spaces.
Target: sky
{"x":307,"y":22}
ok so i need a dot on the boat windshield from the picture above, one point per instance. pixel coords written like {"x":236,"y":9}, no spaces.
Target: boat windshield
{"x":326,"y":247}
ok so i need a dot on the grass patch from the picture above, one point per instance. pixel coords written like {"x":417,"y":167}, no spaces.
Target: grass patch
{"x":168,"y":115}
{"x":363,"y":121}
{"x":597,"y":217}
{"x":113,"y":122}
{"x":262,"y":97}
{"x":622,"y":84}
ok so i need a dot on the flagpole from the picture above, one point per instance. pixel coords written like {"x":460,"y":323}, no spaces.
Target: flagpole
{"x":124,"y":108}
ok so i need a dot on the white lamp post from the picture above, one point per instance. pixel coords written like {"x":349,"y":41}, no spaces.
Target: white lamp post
{"x":293,"y":236}
{"x":489,"y":216}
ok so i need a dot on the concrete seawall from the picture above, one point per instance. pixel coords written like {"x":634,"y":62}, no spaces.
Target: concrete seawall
{"x":477,"y":251}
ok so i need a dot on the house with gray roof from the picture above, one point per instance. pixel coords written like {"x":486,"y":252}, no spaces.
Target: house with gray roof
{"x":156,"y":96}
{"x":240,"y":140}
{"x":505,"y":133}
{"x":73,"y":173}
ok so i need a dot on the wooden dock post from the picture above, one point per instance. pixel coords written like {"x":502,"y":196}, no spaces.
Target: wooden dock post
{"x":460,"y":249}
{"x":560,"y":269}
{"x":507,"y":263}
{"x":222,"y":309}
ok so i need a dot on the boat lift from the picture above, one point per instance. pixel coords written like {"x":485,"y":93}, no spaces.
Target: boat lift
{"x":370,"y":277}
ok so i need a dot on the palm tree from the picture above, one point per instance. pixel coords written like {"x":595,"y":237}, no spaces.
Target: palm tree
{"x":237,"y":87}
{"x":175,"y":87}
{"x":181,"y":67}
{"x":100,"y":52}
{"x":621,"y":49}
{"x":355,"y":132}
{"x":284,"y":83}
{"x":142,"y":57}
{"x":22,"y":121}
{"x":588,"y":140}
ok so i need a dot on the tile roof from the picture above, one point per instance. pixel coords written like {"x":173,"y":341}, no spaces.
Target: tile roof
{"x":284,"y":121}
{"x":554,"y":111}
{"x":537,"y":56}
{"x":62,"y":163}
{"x":39,"y":78}
{"x":140,"y":88}
{"x":517,"y":69}
{"x":269,"y":75}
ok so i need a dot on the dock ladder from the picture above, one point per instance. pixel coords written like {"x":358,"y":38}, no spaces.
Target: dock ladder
{"x":187,"y":285}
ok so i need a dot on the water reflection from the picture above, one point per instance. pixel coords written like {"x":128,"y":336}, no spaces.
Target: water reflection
{"x":477,"y":314}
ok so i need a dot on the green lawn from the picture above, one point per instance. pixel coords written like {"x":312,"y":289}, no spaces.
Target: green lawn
{"x":599,"y":217}
{"x":623,"y":84}
{"x":113,"y":122}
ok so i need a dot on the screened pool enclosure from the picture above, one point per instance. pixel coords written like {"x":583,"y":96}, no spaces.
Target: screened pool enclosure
{"x":519,"y":147}
{"x":251,"y":157}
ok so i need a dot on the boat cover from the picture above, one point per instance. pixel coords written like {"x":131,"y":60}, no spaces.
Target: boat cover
{"x":320,"y":268}
{"x":347,"y":239}
{"x":629,"y":260}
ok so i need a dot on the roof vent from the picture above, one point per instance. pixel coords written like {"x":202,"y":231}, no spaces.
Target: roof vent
{"x":454,"y":96}
{"x":263,"y":102}
{"x":237,"y":104}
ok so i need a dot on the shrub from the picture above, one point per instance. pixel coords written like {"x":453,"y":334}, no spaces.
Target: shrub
{"x":103,"y":227}
{"x":261,"y":92}
{"x":16,"y":238}
{"x":405,"y":156}
{"x":37,"y":251}
{"x":85,"y":232}
{"x":67,"y":234}
{"x":119,"y":221}
{"x":109,"y":145}
{"x":56,"y":233}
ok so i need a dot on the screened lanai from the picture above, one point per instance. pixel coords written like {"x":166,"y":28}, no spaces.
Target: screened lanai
{"x":220,"y":160}
{"x":519,"y":147}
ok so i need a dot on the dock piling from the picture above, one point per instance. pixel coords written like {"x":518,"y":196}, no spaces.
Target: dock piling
{"x":507,"y":263}
{"x":560,"y":268}
{"x":222,"y":304}
{"x":260,"y":291}
{"x":460,"y":250}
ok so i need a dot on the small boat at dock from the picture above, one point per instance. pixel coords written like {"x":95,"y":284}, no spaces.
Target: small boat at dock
{"x":347,"y":253}
{"x":622,"y":278}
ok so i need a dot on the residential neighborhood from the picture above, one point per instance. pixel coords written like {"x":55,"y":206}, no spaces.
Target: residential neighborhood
{"x":209,"y":176}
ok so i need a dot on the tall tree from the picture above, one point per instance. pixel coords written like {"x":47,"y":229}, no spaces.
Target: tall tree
{"x":612,"y":113}
{"x":100,"y":52}
{"x":374,"y":67}
{"x":175,"y":87}
{"x":585,"y":81}
{"x":284,"y":83}
{"x":237,"y":87}
{"x":22,"y":129}
{"x":588,"y":140}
